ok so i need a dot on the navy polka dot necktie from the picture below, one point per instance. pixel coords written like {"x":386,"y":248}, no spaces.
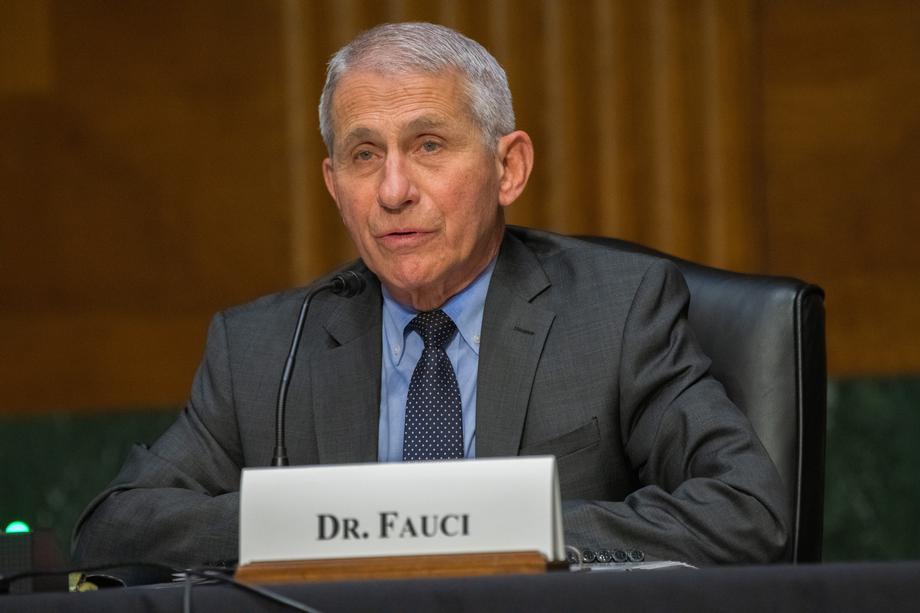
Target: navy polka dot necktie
{"x":434,"y":422}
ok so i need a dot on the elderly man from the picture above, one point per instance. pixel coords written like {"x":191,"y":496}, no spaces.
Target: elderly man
{"x":540,"y":344}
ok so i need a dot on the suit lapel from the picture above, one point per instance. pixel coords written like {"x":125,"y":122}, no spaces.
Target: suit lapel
{"x":346,"y":382}
{"x":345,"y":379}
{"x":514,"y":331}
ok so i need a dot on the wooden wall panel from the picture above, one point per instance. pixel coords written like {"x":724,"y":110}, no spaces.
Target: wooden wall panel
{"x":25,"y":46}
{"x":160,"y":161}
{"x":842,"y":152}
{"x":734,"y":213}
{"x":140,"y":193}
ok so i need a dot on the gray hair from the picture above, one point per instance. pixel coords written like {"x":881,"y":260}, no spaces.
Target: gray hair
{"x":425,"y":47}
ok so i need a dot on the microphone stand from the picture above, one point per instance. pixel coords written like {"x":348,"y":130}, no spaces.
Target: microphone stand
{"x":346,"y":284}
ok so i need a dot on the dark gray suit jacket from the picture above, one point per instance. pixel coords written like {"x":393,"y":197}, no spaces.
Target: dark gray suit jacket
{"x":586,"y":354}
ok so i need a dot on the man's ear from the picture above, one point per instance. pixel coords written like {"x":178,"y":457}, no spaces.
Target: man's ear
{"x":329,"y":179}
{"x":515,"y":158}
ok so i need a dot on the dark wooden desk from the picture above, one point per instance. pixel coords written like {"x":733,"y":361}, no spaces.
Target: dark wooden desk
{"x":862,"y":587}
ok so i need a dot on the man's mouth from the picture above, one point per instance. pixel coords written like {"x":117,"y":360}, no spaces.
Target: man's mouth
{"x":404,"y":239}
{"x":403,"y":232}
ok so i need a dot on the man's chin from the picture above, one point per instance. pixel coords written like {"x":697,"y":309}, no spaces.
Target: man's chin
{"x":421,"y":292}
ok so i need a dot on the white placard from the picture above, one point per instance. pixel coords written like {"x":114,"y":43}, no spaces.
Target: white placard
{"x":411,"y":508}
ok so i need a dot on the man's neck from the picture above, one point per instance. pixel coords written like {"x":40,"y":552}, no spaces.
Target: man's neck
{"x":435,"y":297}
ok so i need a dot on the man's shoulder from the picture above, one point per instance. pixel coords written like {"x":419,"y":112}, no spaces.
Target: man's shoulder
{"x":283,"y":305}
{"x":267,"y":305}
{"x":607,"y":257}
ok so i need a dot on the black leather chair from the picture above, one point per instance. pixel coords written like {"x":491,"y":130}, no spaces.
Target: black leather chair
{"x":765,"y":336}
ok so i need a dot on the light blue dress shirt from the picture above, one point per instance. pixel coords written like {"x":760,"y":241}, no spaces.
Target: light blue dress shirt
{"x":402,"y":349}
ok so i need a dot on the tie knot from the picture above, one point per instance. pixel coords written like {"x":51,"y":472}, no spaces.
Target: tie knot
{"x":435,"y":327}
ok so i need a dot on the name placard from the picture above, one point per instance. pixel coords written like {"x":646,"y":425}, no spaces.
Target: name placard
{"x":414,"y":508}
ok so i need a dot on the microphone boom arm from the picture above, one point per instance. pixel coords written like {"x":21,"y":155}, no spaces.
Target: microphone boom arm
{"x":346,"y":284}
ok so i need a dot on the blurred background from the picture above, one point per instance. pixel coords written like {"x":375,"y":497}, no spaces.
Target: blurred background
{"x":160,"y":161}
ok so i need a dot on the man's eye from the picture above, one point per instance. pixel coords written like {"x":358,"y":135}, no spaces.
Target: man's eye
{"x":364,"y":156}
{"x":430,"y":146}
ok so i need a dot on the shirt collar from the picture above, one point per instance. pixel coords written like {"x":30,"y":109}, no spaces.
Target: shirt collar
{"x":464,"y":308}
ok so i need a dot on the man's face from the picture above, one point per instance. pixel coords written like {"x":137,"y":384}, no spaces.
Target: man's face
{"x":415,"y":184}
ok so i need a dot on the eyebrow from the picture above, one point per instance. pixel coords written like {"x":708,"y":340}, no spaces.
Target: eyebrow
{"x":357,"y":135}
{"x":422,"y":124}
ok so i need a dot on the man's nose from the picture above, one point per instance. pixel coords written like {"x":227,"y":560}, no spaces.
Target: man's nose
{"x":396,"y":188}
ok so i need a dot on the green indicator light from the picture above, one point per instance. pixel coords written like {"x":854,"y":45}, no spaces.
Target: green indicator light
{"x":18,"y":527}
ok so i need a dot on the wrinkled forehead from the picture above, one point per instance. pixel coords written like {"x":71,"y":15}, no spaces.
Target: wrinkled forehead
{"x":458,"y":80}
{"x":383,"y":90}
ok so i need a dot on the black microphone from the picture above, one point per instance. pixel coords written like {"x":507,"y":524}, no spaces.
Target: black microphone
{"x":346,"y":284}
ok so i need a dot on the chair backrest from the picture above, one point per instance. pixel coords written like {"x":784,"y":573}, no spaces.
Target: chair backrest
{"x":765,"y":336}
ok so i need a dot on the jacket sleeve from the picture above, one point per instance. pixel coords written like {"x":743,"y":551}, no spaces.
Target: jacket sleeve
{"x":708,"y":491}
{"x":176,"y":502}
